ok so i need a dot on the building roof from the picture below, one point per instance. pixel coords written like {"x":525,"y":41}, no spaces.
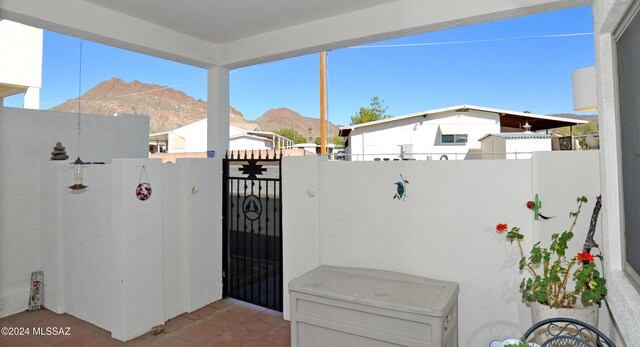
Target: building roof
{"x":511,"y":136}
{"x":511,"y":119}
{"x":245,"y":135}
{"x":250,"y":131}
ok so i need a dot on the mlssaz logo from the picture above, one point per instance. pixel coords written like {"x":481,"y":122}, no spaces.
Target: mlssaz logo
{"x":52,"y":331}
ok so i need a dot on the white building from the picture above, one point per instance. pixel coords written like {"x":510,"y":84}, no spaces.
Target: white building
{"x":315,"y":149}
{"x":451,"y":133}
{"x":514,"y":145}
{"x":20,"y":62}
{"x":193,"y":138}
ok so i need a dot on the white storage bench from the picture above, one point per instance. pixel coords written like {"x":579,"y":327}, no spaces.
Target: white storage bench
{"x":338,"y":306}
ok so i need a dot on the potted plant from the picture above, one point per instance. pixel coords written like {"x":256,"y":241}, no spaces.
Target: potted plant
{"x":560,"y":285}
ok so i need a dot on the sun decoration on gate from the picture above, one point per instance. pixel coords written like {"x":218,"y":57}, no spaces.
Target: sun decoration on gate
{"x":252,"y":169}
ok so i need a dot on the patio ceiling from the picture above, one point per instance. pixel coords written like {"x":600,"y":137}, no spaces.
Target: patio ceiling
{"x":232,"y":34}
{"x":222,"y":21}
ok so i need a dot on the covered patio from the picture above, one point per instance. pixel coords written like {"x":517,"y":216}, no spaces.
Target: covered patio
{"x":138,"y":266}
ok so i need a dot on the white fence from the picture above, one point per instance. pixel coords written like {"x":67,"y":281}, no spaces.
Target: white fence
{"x":344,"y":214}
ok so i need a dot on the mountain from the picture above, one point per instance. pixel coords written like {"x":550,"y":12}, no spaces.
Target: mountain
{"x":279,"y":118}
{"x":582,"y":129}
{"x":170,"y":109}
{"x":593,"y":118}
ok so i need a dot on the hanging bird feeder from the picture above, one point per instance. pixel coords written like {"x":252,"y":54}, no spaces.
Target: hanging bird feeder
{"x":78,"y":168}
{"x":78,"y":164}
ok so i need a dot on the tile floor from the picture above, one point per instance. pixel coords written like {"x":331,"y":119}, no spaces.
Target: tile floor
{"x":227,"y":322}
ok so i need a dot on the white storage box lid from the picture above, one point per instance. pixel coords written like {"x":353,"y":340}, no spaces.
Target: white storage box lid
{"x":378,"y":288}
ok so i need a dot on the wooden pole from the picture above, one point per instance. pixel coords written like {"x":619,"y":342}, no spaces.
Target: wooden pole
{"x":323,"y":104}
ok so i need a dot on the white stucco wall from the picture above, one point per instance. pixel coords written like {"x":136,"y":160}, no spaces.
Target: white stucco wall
{"x":28,"y":137}
{"x":301,"y":218}
{"x":444,"y":229}
{"x":203,"y":223}
{"x":147,"y":261}
{"x":523,"y":148}
{"x":80,"y":234}
{"x":174,"y":239}
{"x":21,"y":60}
{"x":384,"y":140}
{"x":136,"y":244}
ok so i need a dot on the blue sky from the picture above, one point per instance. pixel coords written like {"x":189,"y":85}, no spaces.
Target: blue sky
{"x":520,"y":74}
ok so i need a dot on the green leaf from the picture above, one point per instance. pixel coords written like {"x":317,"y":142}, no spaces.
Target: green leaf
{"x":553,"y":276}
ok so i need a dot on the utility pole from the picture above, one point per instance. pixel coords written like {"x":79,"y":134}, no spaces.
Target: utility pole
{"x":323,"y":104}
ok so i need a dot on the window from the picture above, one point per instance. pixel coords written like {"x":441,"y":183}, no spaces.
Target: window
{"x":628,"y":63}
{"x":454,"y":138}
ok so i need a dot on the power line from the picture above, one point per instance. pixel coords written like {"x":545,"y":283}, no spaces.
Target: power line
{"x":353,"y":47}
{"x":111,"y":51}
{"x":131,"y":94}
{"x":161,"y":88}
{"x":471,"y":41}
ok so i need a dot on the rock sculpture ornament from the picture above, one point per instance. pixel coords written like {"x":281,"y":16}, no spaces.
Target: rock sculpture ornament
{"x":59,"y":152}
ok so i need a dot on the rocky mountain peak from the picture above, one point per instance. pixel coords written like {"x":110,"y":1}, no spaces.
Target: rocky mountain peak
{"x":169,"y":109}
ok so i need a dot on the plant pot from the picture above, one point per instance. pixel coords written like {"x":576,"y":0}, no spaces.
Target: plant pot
{"x":541,"y":312}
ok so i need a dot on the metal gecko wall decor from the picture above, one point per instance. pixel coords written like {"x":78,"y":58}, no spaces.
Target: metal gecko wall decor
{"x":401,"y":189}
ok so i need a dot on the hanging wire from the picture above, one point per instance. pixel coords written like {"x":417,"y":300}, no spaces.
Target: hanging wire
{"x":144,"y":171}
{"x":352,"y":47}
{"x":79,"y":95}
{"x":471,"y":41}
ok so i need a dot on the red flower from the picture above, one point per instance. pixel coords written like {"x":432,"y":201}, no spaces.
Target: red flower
{"x":501,"y":227}
{"x":531,"y":204}
{"x":585,"y":256}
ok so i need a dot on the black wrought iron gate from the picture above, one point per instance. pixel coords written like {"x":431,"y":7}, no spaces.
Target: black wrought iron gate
{"x":252,"y":223}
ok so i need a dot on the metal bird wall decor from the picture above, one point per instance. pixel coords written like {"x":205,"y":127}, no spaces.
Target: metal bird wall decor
{"x":401,"y":189}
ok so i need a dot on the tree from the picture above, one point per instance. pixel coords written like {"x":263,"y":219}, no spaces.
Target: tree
{"x":581,"y":129}
{"x":375,"y":111}
{"x":335,"y":139}
{"x":291,"y":134}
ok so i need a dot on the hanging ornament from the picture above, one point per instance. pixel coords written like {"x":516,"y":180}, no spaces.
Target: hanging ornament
{"x":78,"y":168}
{"x":78,"y":164}
{"x":143,"y":190}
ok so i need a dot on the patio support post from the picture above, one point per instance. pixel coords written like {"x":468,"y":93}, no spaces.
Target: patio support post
{"x":32,"y":98}
{"x":204,"y":224}
{"x":218,"y":111}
